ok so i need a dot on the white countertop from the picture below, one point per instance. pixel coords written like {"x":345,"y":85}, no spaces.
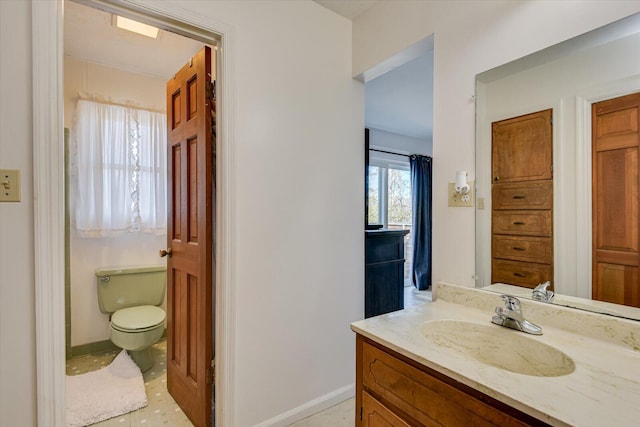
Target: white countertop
{"x":604,"y":389}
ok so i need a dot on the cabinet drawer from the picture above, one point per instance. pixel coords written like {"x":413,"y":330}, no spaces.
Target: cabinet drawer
{"x":523,"y":248}
{"x":520,"y":273}
{"x":375,"y":414}
{"x":380,"y":249}
{"x":523,"y":195}
{"x":421,"y":397}
{"x":529,"y":223}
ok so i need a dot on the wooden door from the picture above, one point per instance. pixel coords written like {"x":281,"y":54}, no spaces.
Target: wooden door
{"x":615,"y":200}
{"x":190,"y":279}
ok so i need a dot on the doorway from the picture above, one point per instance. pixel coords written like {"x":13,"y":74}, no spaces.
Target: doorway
{"x":121,"y":220}
{"x":47,"y":54}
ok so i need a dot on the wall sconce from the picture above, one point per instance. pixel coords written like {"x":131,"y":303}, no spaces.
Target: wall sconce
{"x":462,"y":187}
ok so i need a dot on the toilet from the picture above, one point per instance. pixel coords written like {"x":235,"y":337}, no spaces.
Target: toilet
{"x":133,"y":296}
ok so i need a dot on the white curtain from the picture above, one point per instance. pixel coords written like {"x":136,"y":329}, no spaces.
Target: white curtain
{"x":122,"y":170}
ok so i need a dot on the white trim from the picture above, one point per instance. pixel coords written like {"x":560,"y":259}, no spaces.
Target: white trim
{"x":583,"y":198}
{"x":48,"y":193}
{"x":47,"y":22}
{"x":309,"y":408}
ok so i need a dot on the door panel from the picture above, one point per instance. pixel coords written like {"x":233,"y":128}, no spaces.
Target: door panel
{"x":521,"y":148}
{"x":190,"y":278}
{"x":616,"y":213}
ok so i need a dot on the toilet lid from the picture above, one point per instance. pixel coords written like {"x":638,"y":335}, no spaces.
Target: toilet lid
{"x":141,"y":317}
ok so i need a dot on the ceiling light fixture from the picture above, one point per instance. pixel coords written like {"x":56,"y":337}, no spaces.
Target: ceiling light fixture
{"x":136,"y":27}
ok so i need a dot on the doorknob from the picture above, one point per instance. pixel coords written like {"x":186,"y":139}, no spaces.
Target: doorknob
{"x":164,"y":253}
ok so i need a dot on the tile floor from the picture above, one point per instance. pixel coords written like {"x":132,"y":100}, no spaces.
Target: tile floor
{"x":161,"y":410}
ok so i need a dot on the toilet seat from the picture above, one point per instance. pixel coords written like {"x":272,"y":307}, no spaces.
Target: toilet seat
{"x":138,"y":319}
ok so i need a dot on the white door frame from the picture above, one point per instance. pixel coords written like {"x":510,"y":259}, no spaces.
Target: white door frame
{"x":48,"y":182}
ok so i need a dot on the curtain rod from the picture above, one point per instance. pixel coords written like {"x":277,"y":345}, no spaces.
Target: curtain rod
{"x":389,"y":152}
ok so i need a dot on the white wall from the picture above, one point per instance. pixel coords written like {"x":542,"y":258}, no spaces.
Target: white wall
{"x":17,"y":317}
{"x":88,"y":324}
{"x":299,"y":251}
{"x":298,"y":276}
{"x":470,"y":37}
{"x":602,"y":72}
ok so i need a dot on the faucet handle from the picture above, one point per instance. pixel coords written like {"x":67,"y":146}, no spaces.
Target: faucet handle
{"x":511,"y":303}
{"x":542,"y":286}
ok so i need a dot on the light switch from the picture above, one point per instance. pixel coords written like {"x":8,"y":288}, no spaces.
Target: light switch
{"x":9,"y":185}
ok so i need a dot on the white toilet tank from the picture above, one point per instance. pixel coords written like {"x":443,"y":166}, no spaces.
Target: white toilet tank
{"x":130,"y":286}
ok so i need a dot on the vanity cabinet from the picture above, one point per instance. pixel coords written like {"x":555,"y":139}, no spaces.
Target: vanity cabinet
{"x":522,"y":200}
{"x":384,"y":271}
{"x":393,"y":390}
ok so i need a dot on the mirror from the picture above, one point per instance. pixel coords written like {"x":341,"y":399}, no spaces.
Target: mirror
{"x":566,"y":78}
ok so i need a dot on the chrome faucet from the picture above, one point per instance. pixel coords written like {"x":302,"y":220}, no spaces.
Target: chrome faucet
{"x":510,"y":316}
{"x":540,"y":292}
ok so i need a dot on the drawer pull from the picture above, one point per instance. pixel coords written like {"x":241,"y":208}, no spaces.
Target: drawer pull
{"x":519,"y":197}
{"x":517,"y":248}
{"x":519,"y":274}
{"x":518,"y":223}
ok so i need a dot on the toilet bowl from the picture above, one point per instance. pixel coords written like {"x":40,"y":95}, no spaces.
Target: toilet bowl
{"x":136,"y":329}
{"x":132,"y":297}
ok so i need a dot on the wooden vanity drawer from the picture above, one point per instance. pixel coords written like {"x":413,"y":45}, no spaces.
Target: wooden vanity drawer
{"x":529,"y":223}
{"x":520,"y":273}
{"x":420,"y":398}
{"x":376,"y":414}
{"x":523,"y":195}
{"x":523,"y":248}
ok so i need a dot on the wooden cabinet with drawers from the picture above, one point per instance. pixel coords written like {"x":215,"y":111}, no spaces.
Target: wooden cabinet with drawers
{"x":522,"y":200}
{"x":393,"y":390}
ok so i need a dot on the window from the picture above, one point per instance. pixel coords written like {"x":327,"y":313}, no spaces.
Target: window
{"x":389,"y":203}
{"x":122,"y":170}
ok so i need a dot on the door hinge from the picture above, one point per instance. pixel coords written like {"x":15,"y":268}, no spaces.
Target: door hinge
{"x":211,"y":373}
{"x":361,"y":413}
{"x":211,"y":90}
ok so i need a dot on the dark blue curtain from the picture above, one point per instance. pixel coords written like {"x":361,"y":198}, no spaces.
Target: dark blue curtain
{"x":421,"y":170}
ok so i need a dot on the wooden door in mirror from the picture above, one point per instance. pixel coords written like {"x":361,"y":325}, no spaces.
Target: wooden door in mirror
{"x":616,"y":210}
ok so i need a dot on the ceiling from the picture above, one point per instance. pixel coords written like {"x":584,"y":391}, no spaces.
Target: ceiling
{"x":350,"y":9}
{"x":398,"y":101}
{"x":89,"y":34}
{"x":401,"y":100}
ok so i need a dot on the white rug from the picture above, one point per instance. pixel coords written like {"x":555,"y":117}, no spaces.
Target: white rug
{"x":108,"y":392}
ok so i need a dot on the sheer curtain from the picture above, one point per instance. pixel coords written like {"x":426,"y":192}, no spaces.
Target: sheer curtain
{"x":121,"y":165}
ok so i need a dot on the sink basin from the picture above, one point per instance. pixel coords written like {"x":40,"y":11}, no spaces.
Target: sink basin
{"x":498,"y":347}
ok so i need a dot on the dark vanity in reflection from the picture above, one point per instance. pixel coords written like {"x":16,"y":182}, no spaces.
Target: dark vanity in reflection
{"x":384,"y":271}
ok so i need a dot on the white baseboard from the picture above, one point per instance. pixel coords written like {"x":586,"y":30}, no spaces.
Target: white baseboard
{"x":309,"y":408}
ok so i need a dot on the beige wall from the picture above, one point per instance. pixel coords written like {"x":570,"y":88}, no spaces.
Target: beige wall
{"x":469,"y":37}
{"x":88,"y":324}
{"x":17,"y":299}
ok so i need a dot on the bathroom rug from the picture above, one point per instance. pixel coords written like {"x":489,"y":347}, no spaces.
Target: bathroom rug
{"x":108,"y":392}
